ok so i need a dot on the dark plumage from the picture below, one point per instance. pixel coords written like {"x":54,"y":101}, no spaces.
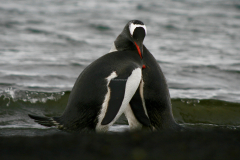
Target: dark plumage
{"x":102,"y":92}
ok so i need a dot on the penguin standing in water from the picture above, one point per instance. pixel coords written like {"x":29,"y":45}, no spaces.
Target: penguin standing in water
{"x":105,"y":88}
{"x":152,"y":100}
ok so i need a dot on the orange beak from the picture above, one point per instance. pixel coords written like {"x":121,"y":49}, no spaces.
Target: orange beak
{"x":138,"y":49}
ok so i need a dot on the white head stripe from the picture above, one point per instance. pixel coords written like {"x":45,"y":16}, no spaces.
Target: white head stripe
{"x":133,"y":26}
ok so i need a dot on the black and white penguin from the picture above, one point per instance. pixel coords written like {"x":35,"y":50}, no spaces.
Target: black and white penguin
{"x":105,"y":88}
{"x":152,"y":95}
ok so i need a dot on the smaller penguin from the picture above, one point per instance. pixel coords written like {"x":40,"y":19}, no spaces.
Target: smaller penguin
{"x":152,"y":100}
{"x":105,"y":88}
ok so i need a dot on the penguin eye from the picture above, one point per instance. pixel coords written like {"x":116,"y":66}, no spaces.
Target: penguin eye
{"x":132,"y":27}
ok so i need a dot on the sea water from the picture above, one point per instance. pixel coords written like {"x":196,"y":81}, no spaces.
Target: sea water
{"x":45,"y":45}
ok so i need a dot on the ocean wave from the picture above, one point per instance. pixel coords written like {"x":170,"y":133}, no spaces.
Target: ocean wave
{"x":171,"y":27}
{"x":68,"y":38}
{"x":9,"y":24}
{"x":27,"y":76}
{"x":37,"y":82}
{"x":23,"y":126}
{"x":100,"y":27}
{"x":11,"y":96}
{"x":37,"y":31}
{"x":12,"y":10}
{"x":207,"y":111}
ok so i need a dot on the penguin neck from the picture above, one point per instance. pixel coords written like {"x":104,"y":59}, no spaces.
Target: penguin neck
{"x":122,"y":43}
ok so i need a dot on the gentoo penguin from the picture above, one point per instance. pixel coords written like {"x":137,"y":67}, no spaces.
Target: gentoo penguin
{"x":153,"y":94}
{"x":104,"y":89}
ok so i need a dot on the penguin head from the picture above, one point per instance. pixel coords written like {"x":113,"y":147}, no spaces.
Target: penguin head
{"x":132,"y":37}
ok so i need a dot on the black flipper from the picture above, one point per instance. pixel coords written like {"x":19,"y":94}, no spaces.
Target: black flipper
{"x":117,"y":91}
{"x":45,"y":121}
{"x":138,"y":109}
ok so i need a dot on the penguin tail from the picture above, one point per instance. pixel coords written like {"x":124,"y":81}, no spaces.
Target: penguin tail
{"x":45,"y":121}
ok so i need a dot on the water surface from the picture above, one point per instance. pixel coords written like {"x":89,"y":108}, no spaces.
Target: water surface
{"x":45,"y":45}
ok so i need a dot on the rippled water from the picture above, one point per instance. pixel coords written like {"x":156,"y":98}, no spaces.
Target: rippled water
{"x":44,"y":46}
